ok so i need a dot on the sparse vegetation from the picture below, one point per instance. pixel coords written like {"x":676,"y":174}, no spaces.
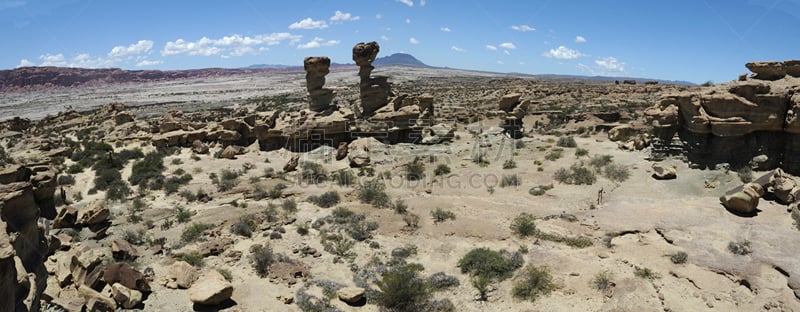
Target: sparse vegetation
{"x":415,"y":170}
{"x":577,"y":174}
{"x":289,"y":205}
{"x":481,"y":159}
{"x":602,"y":280}
{"x":533,"y":282}
{"x":580,"y":152}
{"x":440,"y":215}
{"x":523,"y":225}
{"x":679,"y":257}
{"x":646,"y":273}
{"x":182,"y":215}
{"x":261,"y":257}
{"x":373,"y":192}
{"x":740,"y":248}
{"x":440,"y":281}
{"x":616,"y":172}
{"x":566,"y":141}
{"x":411,"y":220}
{"x":400,"y":206}
{"x":495,"y":265}
{"x":244,"y":226}
{"x":313,"y":173}
{"x":600,"y":161}
{"x":194,"y":231}
{"x":344,"y":177}
{"x":325,"y":200}
{"x":553,"y":155}
{"x":441,"y":169}
{"x":403,"y":289}
{"x":509,"y":164}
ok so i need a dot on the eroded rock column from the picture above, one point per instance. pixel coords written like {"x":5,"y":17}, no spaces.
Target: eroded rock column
{"x":375,"y":91}
{"x":316,"y":68}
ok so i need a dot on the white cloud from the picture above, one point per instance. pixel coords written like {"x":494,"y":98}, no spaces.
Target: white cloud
{"x":611,"y":63}
{"x":523,"y":28}
{"x":500,"y":62}
{"x":318,"y":42}
{"x":407,"y":2}
{"x":408,"y":21}
{"x":141,"y":47}
{"x":506,"y":52}
{"x":413,"y":40}
{"x":384,"y":38}
{"x":457,"y":49}
{"x":148,"y":63}
{"x":308,"y":23}
{"x":25,"y":63}
{"x":580,"y":39}
{"x":422,"y":3}
{"x":52,"y":60}
{"x":445,"y":29}
{"x":508,"y":45}
{"x":227,"y":46}
{"x":340,"y":16}
{"x":491,"y":47}
{"x":563,"y":53}
{"x":378,"y":16}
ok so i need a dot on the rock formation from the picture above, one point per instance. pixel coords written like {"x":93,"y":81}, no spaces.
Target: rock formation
{"x":26,"y":194}
{"x":753,"y":122}
{"x":375,"y":91}
{"x":515,"y":110}
{"x":316,"y":68}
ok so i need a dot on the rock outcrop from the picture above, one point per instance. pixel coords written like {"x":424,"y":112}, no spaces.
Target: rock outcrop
{"x":316,"y":68}
{"x":211,"y":289}
{"x":375,"y":91}
{"x":26,"y":194}
{"x":735,"y":122}
{"x":515,"y":110}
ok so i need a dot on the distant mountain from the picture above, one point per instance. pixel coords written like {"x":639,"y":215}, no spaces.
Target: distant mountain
{"x":401,"y":59}
{"x":272,"y":66}
{"x":605,"y":78}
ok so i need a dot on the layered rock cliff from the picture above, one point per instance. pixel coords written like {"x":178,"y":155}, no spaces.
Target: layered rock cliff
{"x":753,"y":121}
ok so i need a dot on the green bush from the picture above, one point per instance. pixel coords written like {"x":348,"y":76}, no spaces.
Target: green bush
{"x":510,"y":180}
{"x":194,"y":231}
{"x":415,"y":170}
{"x":599,"y":161}
{"x":616,"y":172}
{"x":481,"y":284}
{"x":402,"y":289}
{"x":439,"y":215}
{"x":344,"y":177}
{"x":679,"y":257}
{"x":261,"y":258}
{"x":602,"y":280}
{"x":404,"y":252}
{"x":580,"y":152}
{"x":567,"y":141}
{"x":533,"y":282}
{"x":193,"y":258}
{"x":342,"y":213}
{"x":489,"y":263}
{"x":325,"y":200}
{"x":244,"y":226}
{"x":411,"y":220}
{"x":373,"y":192}
{"x":740,"y":248}
{"x":577,"y":174}
{"x":441,"y":169}
{"x":289,"y":205}
{"x":225,"y":274}
{"x":147,"y":170}
{"x":509,"y":164}
{"x":481,"y":159}
{"x":553,"y":156}
{"x":440,"y":280}
{"x":400,"y":206}
{"x":228,"y":179}
{"x":313,"y":173}
{"x":646,"y":273}
{"x":523,"y":225}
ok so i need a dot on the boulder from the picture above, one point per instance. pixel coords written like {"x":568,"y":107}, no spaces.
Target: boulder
{"x":181,"y":275}
{"x":231,"y":151}
{"x":350,"y":295}
{"x":126,"y":297}
{"x":291,"y":165}
{"x":126,"y":275}
{"x":743,"y":199}
{"x":661,"y":172}
{"x":341,"y":151}
{"x":509,"y":102}
{"x":359,"y":151}
{"x":621,"y":133}
{"x":767,"y":70}
{"x":198,"y":147}
{"x":437,"y":134}
{"x":210,"y":289}
{"x":784,"y":187}
{"x":95,"y":301}
{"x":94,"y":212}
{"x":123,"y":250}
{"x":66,"y":218}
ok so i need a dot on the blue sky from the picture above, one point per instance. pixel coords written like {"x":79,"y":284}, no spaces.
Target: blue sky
{"x":681,"y":40}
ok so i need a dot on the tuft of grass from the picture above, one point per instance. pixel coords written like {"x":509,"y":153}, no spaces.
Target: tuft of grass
{"x":679,"y":257}
{"x":646,"y":273}
{"x":225,"y":274}
{"x":533,"y":283}
{"x":441,"y":169}
{"x":400,"y":206}
{"x":553,"y":156}
{"x":440,"y":215}
{"x":567,"y":141}
{"x":602,"y":280}
{"x":411,"y":220}
{"x":193,"y":258}
{"x":509,"y":164}
{"x":740,"y":248}
{"x":580,"y":152}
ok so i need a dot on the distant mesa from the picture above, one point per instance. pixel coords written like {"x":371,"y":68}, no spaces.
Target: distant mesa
{"x":399,"y":59}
